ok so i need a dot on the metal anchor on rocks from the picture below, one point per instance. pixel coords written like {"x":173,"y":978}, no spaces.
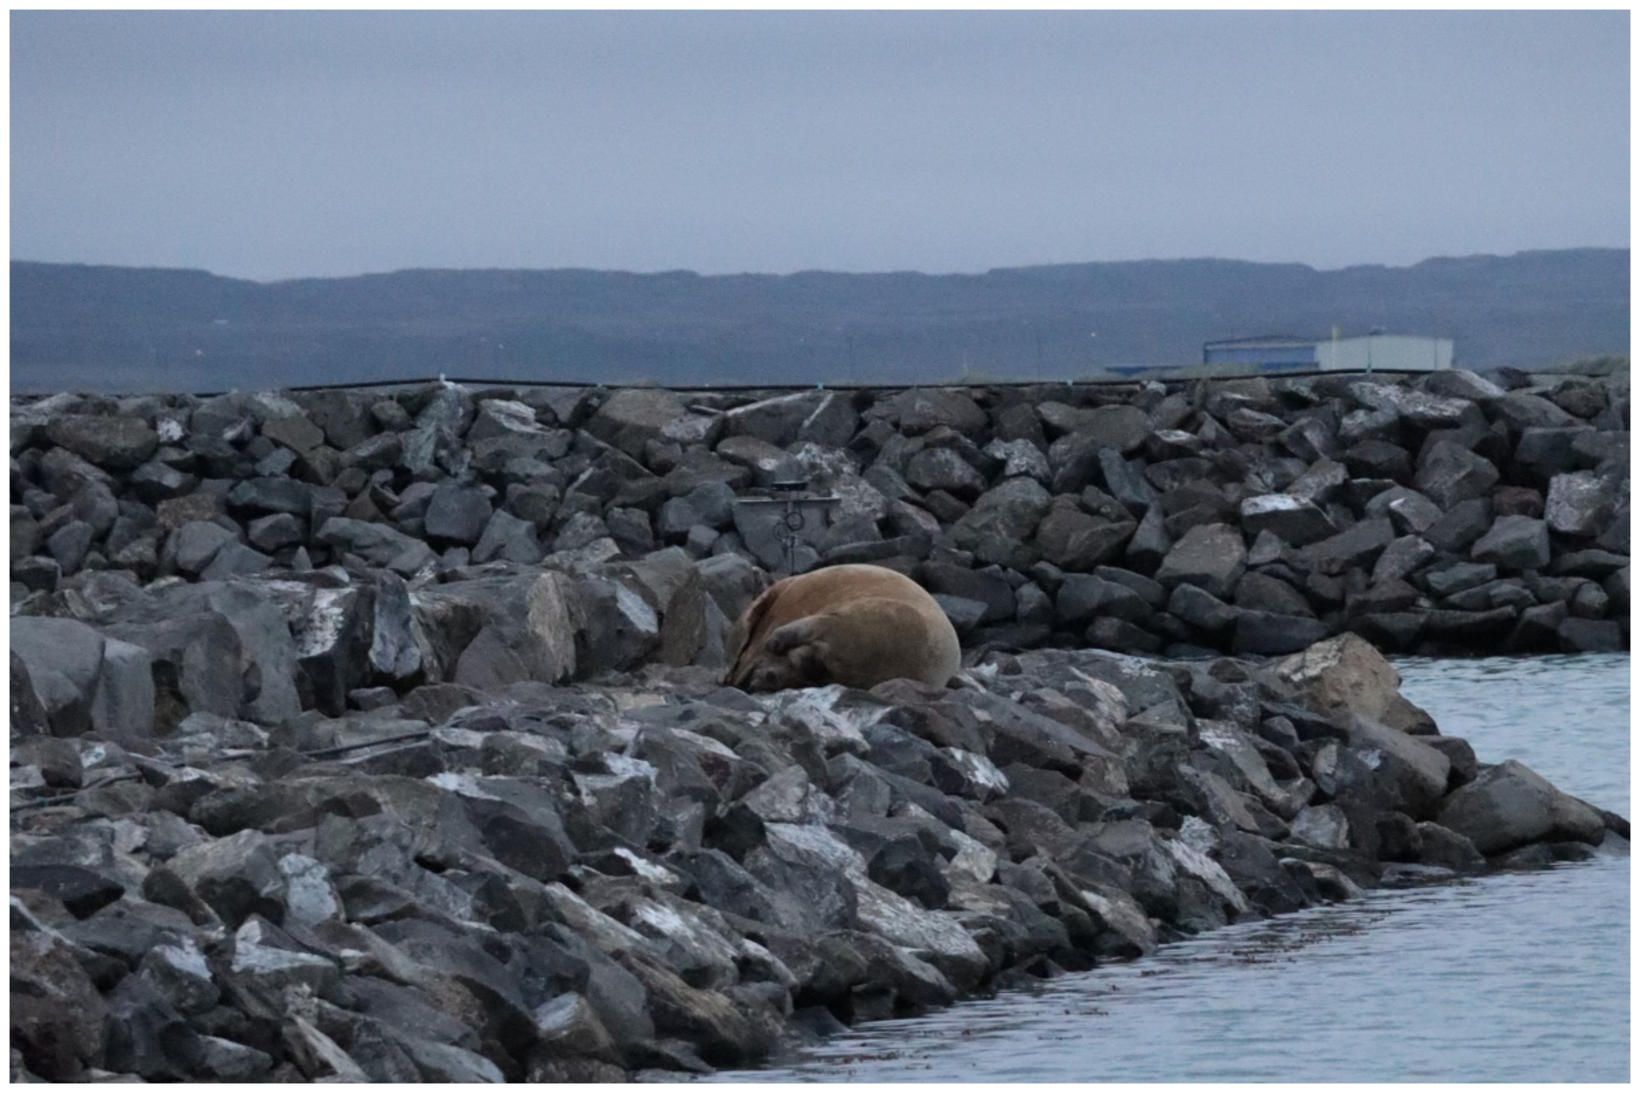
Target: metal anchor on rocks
{"x":790,"y":495}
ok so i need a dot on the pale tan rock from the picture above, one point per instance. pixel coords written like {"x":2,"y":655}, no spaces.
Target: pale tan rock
{"x":1347,"y":674}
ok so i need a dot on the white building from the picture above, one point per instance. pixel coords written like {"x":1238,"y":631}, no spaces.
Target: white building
{"x":1384,"y":353}
{"x":1366,"y":353}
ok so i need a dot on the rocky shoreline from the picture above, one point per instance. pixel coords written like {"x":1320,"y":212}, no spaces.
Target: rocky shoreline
{"x":651,"y":874}
{"x":1441,"y":514}
{"x":377,"y":736}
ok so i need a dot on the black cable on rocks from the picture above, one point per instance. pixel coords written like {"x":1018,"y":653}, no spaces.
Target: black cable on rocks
{"x":316,"y":753}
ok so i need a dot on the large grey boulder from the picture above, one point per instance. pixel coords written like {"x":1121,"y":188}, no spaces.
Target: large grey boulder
{"x":483,"y":633}
{"x":944,"y":469}
{"x":1420,"y":408}
{"x":1402,"y":558}
{"x":1460,"y":383}
{"x":343,"y":415}
{"x":1321,"y":483}
{"x":196,"y":657}
{"x":59,"y":1021}
{"x":1545,"y":452}
{"x":1201,"y":609}
{"x":395,"y":651}
{"x":998,"y":528}
{"x":633,"y":416}
{"x":1019,"y":457}
{"x":1295,"y":520}
{"x":267,"y":650}
{"x":457,"y":513}
{"x":778,"y":420}
{"x":197,"y":542}
{"x":1074,"y":539}
{"x":1450,"y":473}
{"x":1210,"y":556}
{"x":1356,"y":547}
{"x":295,"y":430}
{"x":380,"y":546}
{"x":1511,"y":805}
{"x":122,"y":705}
{"x":1524,"y":410}
{"x":496,"y":418}
{"x":507,"y":538}
{"x":63,"y":658}
{"x":1514,"y":542}
{"x":113,"y":442}
{"x":614,"y":627}
{"x":1415,"y":772}
{"x":276,"y":531}
{"x":1410,"y":511}
{"x":1461,"y":525}
{"x":272,"y":494}
{"x":1083,"y":597}
{"x":86,"y":680}
{"x":1270,"y":633}
{"x":1578,"y":635}
{"x":1121,"y":427}
{"x":923,"y":408}
{"x":70,"y":544}
{"x":1579,"y":503}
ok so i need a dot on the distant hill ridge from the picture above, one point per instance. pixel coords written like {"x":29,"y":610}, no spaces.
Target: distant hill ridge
{"x":118,"y":328}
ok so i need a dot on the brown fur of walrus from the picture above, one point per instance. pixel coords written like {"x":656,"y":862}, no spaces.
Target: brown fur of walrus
{"x":857,"y":625}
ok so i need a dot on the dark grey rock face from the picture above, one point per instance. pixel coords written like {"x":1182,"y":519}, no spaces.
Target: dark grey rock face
{"x":1514,"y":543}
{"x":1210,"y":556}
{"x":1510,"y":805}
{"x":456,"y":513}
{"x":515,"y":872}
{"x":1288,"y":498}
{"x":1579,"y":504}
{"x":111,"y":442}
{"x":1451,"y":473}
{"x":1292,"y":519}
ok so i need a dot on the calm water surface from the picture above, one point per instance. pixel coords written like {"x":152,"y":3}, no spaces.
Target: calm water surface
{"x":1521,"y":977}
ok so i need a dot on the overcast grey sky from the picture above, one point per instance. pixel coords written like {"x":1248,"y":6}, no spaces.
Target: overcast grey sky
{"x":272,"y":145}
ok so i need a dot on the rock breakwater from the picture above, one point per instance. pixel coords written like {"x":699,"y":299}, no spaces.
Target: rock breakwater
{"x":649,"y":873}
{"x":378,"y":736}
{"x":1441,"y":514}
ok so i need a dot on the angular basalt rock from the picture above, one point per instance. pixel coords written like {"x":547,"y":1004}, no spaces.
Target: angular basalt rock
{"x":379,"y":545}
{"x":1003,"y":521}
{"x":456,"y":513}
{"x":923,"y":408}
{"x":1072,"y":539}
{"x":1346,"y":674}
{"x":1451,"y":473}
{"x":1579,"y":504}
{"x":1510,"y":805}
{"x":57,"y":1014}
{"x":1513,"y":543}
{"x":1211,"y":556}
{"x":113,"y":442}
{"x":1296,"y":521}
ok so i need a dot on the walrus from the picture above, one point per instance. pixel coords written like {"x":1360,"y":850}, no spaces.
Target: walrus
{"x":857,"y":625}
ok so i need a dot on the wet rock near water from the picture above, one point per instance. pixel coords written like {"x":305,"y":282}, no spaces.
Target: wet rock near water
{"x":552,"y":867}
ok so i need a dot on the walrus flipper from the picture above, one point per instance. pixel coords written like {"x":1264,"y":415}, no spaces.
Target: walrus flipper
{"x":804,"y":631}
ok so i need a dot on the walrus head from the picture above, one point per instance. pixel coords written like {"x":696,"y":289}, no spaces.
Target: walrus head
{"x":786,"y":666}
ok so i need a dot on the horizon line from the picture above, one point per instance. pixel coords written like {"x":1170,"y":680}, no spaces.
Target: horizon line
{"x":809,"y":272}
